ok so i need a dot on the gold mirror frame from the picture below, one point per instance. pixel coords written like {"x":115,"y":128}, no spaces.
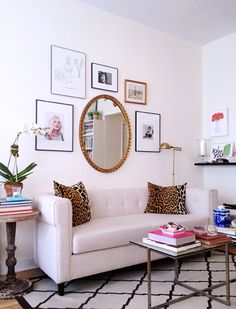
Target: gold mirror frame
{"x":81,"y":130}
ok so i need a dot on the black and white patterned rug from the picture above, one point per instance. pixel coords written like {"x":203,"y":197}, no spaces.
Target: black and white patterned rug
{"x":127,"y":288}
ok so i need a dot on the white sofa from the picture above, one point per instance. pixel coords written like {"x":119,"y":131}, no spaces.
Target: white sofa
{"x":65,"y":253}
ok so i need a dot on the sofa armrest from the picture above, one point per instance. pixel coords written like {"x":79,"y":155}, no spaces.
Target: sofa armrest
{"x":53,"y":243}
{"x":54,"y":210}
{"x":201,"y":201}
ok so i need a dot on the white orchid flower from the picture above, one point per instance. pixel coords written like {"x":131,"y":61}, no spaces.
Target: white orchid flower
{"x":33,"y":129}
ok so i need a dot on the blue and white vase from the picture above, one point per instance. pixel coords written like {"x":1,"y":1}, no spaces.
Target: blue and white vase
{"x":222,"y":217}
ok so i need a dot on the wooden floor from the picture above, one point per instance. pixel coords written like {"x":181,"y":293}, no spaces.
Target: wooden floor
{"x":12,"y":303}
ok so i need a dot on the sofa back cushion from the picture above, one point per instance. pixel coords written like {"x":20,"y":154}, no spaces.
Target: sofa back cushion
{"x":117,"y":202}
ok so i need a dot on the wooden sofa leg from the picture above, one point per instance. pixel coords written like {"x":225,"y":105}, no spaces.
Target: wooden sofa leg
{"x":61,"y":287}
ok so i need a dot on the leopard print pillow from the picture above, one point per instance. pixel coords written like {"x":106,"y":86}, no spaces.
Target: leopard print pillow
{"x":80,"y":189}
{"x":166,"y":200}
{"x":80,"y":211}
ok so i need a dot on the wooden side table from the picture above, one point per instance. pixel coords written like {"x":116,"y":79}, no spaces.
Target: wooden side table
{"x":12,"y":286}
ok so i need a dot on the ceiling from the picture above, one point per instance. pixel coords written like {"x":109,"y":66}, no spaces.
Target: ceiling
{"x":199,"y":21}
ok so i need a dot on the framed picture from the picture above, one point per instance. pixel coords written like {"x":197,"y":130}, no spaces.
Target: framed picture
{"x":58,"y":121}
{"x":147,"y":132}
{"x":219,"y":122}
{"x":221,"y":150}
{"x":104,"y":77}
{"x":135,"y":92}
{"x":67,"y":72}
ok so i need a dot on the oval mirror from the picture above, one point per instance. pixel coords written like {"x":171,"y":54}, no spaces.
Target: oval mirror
{"x":105,"y":134}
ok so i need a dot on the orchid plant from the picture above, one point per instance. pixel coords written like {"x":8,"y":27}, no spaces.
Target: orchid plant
{"x":17,"y":176}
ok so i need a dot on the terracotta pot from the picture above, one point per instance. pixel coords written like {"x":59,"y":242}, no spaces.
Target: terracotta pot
{"x":13,"y":189}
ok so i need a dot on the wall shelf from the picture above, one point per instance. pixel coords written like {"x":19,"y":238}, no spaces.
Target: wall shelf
{"x":214,"y":164}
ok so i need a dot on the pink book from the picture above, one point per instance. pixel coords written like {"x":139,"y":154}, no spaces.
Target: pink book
{"x":175,"y":240}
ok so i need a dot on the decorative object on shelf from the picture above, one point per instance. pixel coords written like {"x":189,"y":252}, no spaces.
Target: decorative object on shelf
{"x":221,"y":151}
{"x":135,"y":92}
{"x":13,"y":179}
{"x":202,"y":150}
{"x":174,"y":148}
{"x":219,"y":122}
{"x":104,"y":77}
{"x":58,"y":119}
{"x":147,"y":132}
{"x":68,"y":72}
{"x":105,"y":143}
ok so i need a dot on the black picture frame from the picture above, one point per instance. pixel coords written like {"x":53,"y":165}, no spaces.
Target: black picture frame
{"x":60,"y":115}
{"x":104,"y":77}
{"x":147,"y":131}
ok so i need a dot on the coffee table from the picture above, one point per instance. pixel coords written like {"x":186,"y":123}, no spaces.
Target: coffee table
{"x":176,"y":257}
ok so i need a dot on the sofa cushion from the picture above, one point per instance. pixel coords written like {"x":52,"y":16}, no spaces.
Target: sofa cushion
{"x":166,"y":200}
{"x":117,"y":202}
{"x":80,"y":211}
{"x":117,"y":231}
{"x":80,"y":189}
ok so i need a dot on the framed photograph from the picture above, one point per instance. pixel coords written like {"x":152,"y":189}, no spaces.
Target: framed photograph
{"x":135,"y":92}
{"x":219,"y":123}
{"x":58,"y":121}
{"x":67,"y":72}
{"x":104,"y":77}
{"x":147,"y":132}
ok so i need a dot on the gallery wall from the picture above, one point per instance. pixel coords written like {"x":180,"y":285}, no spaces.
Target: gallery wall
{"x":171,"y":67}
{"x":219,"y":80}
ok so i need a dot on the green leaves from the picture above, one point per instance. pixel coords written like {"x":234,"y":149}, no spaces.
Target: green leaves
{"x":7,"y":175}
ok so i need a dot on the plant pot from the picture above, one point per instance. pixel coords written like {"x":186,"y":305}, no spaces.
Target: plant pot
{"x":13,"y":189}
{"x":96,"y":117}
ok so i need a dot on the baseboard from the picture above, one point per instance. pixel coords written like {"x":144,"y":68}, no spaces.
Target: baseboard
{"x":21,"y":265}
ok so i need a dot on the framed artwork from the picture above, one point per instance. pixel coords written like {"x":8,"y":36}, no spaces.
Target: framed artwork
{"x":67,"y":72}
{"x":219,"y":123}
{"x":135,"y":92}
{"x":104,"y":77}
{"x":147,"y":132}
{"x":221,"y":150}
{"x":58,"y":121}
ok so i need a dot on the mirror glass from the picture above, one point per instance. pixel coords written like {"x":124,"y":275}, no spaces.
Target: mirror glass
{"x":105,"y":133}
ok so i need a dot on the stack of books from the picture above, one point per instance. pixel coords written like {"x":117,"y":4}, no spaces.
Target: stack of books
{"x":214,"y":239}
{"x":229,"y":231}
{"x":174,"y":241}
{"x":15,"y":206}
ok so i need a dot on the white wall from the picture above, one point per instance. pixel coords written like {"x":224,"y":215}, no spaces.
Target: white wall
{"x":170,"y":66}
{"x":219,"y":91}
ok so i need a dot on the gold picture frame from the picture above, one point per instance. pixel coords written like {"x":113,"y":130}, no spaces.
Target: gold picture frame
{"x":135,"y":92}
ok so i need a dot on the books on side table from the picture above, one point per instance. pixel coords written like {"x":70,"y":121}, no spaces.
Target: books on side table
{"x":15,"y":206}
